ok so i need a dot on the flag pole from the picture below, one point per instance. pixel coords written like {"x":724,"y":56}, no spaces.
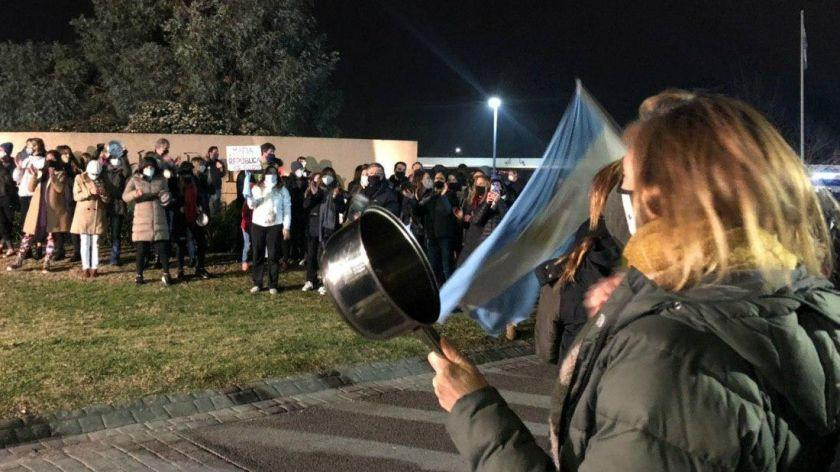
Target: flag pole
{"x":803,"y":44}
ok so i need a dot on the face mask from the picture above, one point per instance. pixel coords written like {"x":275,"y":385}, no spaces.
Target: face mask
{"x":270,"y":156}
{"x":427,"y":184}
{"x":400,"y":175}
{"x":114,"y":162}
{"x":328,"y":180}
{"x":627,"y":203}
{"x":39,"y":163}
{"x":439,"y":185}
{"x":480,"y":191}
{"x":299,"y":173}
{"x":270,"y":181}
{"x":374,"y":179}
{"x":149,"y":172}
{"x":364,"y":181}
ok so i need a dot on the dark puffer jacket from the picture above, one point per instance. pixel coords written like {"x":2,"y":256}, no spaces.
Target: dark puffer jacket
{"x":560,"y":311}
{"x":733,"y":376}
{"x":484,"y":220}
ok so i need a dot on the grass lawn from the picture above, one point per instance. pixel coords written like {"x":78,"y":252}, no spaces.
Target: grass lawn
{"x":67,"y":343}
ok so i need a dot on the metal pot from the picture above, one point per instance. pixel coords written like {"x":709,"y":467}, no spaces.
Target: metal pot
{"x":380,"y":280}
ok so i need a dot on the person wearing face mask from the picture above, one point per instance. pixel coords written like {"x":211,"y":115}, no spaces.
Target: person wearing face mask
{"x":47,"y":213}
{"x":188,"y":207}
{"x":420,"y":186}
{"x":8,"y":200}
{"x":398,"y":177}
{"x":436,"y":210}
{"x":324,"y":203}
{"x":89,"y":218}
{"x":377,"y":191}
{"x":490,"y":209}
{"x":355,"y":185}
{"x":271,"y":219}
{"x":33,"y":157}
{"x":268,"y":157}
{"x":296,"y":183}
{"x":217,"y":172}
{"x":148,"y":190}
{"x":114,"y":176}
{"x":73,"y":168}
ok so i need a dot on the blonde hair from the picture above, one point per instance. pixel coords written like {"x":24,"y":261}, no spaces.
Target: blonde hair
{"x":602,"y":184}
{"x":714,"y":164}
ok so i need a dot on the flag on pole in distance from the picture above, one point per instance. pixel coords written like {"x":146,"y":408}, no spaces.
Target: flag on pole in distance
{"x":496,"y":284}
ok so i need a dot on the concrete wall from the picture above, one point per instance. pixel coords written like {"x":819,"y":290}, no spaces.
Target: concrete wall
{"x":341,"y":154}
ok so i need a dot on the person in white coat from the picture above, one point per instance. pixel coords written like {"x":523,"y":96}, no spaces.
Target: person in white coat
{"x":271,"y":219}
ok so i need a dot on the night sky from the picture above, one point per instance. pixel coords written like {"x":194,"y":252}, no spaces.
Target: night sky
{"x":422,"y":70}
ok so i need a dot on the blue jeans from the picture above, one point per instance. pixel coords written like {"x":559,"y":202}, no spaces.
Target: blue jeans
{"x":440,"y":255}
{"x":246,"y":245}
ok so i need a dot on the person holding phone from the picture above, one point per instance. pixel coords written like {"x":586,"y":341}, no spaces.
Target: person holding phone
{"x":490,"y":210}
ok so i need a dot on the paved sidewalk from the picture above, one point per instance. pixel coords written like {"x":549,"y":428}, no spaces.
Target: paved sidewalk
{"x":378,"y":425}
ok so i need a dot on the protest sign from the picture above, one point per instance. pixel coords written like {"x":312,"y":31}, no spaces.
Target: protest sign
{"x":243,"y":157}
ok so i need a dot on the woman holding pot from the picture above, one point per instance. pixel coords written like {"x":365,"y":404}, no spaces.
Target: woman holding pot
{"x":148,"y":190}
{"x":717,"y":348}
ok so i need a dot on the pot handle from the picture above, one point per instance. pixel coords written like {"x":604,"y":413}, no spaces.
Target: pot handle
{"x":430,"y":336}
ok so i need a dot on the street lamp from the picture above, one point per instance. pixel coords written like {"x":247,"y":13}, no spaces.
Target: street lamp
{"x":495,"y":103}
{"x":457,"y":151}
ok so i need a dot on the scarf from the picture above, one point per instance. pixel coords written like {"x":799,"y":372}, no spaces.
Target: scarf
{"x":643,"y":251}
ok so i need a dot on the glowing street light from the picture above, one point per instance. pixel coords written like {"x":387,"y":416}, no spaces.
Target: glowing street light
{"x":495,"y":103}
{"x":458,"y":150}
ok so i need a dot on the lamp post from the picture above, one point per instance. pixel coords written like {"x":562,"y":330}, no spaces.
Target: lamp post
{"x":495,"y":103}
{"x":457,"y":151}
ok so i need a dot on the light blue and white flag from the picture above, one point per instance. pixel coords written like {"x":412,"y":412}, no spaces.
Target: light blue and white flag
{"x":497,"y":282}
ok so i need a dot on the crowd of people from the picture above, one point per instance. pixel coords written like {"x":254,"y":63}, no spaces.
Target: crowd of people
{"x":67,"y":200}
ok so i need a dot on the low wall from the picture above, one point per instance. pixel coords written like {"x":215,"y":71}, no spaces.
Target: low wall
{"x":341,"y":154}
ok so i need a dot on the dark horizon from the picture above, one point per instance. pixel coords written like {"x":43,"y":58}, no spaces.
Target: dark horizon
{"x":424,"y":71}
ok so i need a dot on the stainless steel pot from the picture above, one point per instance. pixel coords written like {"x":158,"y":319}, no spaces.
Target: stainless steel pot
{"x":380,"y":280}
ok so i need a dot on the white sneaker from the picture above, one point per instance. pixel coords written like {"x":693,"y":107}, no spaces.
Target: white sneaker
{"x":322,"y":290}
{"x":255,"y":289}
{"x":272,"y":291}
{"x":307,"y":287}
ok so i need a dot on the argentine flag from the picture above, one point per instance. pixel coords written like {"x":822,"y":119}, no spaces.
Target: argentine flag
{"x":496,"y":284}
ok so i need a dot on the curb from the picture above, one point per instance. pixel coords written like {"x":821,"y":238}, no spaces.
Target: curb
{"x":94,"y":418}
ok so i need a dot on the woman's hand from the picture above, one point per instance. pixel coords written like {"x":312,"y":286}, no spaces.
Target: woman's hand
{"x":600,"y":292}
{"x":455,"y":376}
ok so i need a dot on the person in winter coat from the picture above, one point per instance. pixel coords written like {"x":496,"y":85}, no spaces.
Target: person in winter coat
{"x":8,"y":200}
{"x":115,"y":174}
{"x":72,"y":167}
{"x":89,"y":218}
{"x":595,"y":253}
{"x":32,"y":157}
{"x":271,"y":220}
{"x":296,"y":184}
{"x":437,"y":211}
{"x":188,"y":203}
{"x":717,"y":349}
{"x":47,"y":213}
{"x":490,"y":210}
{"x":324,"y":202}
{"x":217,"y":173}
{"x":377,"y":191}
{"x":148,"y":190}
